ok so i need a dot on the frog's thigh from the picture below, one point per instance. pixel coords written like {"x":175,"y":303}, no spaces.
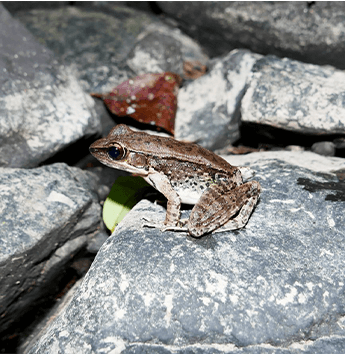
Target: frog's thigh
{"x":242,"y":218}
{"x":218,"y":205}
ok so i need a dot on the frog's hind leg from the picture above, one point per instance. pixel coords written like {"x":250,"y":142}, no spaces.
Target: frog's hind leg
{"x":242,"y":218}
{"x":219,"y":204}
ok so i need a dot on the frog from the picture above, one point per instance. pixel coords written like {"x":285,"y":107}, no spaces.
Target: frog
{"x":183,"y":172}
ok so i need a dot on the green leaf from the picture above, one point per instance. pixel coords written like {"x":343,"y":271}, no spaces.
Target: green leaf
{"x":124,"y":194}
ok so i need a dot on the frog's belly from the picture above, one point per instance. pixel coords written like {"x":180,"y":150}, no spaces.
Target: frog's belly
{"x":191,"y":191}
{"x":188,"y":189}
{"x":188,"y":196}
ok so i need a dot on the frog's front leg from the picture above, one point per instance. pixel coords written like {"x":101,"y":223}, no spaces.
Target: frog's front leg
{"x":162,"y":184}
{"x":219,"y":204}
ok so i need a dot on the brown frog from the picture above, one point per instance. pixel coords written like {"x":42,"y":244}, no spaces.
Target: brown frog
{"x":183,"y":173}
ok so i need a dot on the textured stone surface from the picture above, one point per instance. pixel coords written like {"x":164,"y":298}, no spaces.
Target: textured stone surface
{"x":326,"y":148}
{"x":308,"y":31}
{"x":36,"y":332}
{"x":42,"y":106}
{"x":110,"y":43}
{"x":211,"y":103}
{"x":300,"y":97}
{"x":46,"y":217}
{"x":161,"y":48}
{"x":303,"y":159}
{"x":96,"y":40}
{"x":276,"y":286}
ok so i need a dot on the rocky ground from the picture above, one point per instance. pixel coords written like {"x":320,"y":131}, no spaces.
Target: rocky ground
{"x":272,"y":99}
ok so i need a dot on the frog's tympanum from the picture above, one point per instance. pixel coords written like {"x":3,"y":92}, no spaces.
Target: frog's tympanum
{"x":184,"y":173}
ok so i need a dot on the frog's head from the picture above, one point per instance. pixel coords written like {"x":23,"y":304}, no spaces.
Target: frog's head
{"x":113,"y":151}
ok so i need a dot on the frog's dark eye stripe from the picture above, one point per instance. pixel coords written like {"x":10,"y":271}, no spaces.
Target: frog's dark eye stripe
{"x":116,"y":152}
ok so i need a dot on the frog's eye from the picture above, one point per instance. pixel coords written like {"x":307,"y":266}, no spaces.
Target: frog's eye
{"x":116,"y":152}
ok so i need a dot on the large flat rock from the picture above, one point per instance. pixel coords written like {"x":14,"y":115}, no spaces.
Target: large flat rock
{"x":276,"y":286}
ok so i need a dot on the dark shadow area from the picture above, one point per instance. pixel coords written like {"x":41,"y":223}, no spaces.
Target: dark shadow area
{"x":148,"y":6}
{"x":20,"y":331}
{"x":270,"y":138}
{"x":73,"y":153}
{"x":338,"y":188}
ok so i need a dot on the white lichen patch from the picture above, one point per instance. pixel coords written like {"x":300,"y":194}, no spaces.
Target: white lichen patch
{"x":124,"y":284}
{"x":148,"y":298}
{"x":120,"y":314}
{"x":217,"y":286}
{"x":119,"y":343}
{"x":330,"y":221}
{"x":168,"y":302}
{"x":289,"y":297}
{"x":60,"y":198}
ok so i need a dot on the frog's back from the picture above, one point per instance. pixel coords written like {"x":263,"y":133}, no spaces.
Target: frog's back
{"x":168,"y":148}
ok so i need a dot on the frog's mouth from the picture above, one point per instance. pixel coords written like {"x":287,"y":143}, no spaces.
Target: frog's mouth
{"x":98,"y":153}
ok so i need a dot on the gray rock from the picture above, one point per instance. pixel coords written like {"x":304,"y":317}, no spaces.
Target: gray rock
{"x":208,"y":108}
{"x":300,"y":97}
{"x":47,"y":215}
{"x":110,"y":43}
{"x":162,"y":48}
{"x":276,"y":286}
{"x":42,"y":106}
{"x":14,"y":6}
{"x":97,"y":241}
{"x":95,"y":40}
{"x":326,"y":148}
{"x":304,"y":159}
{"x":44,"y":323}
{"x":307,"y":31}
{"x":339,"y":143}
{"x":294,"y":148}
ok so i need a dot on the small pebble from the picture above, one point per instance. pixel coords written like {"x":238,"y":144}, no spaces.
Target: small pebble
{"x":294,"y":148}
{"x":325,"y":148}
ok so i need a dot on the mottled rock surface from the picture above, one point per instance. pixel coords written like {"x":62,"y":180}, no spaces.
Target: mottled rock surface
{"x":43,"y":108}
{"x":211,"y":103}
{"x":300,"y":97}
{"x":96,"y":42}
{"x":161,"y":48}
{"x":307,"y":31}
{"x":275,"y":286}
{"x":110,"y":43}
{"x":47,"y":215}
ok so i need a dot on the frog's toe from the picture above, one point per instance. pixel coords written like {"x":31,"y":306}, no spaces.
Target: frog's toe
{"x":163,"y":227}
{"x":153,"y":224}
{"x":175,"y":228}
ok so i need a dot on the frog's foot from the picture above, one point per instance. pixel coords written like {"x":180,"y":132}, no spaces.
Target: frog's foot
{"x":153,"y":224}
{"x":180,"y":227}
{"x":159,"y":225}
